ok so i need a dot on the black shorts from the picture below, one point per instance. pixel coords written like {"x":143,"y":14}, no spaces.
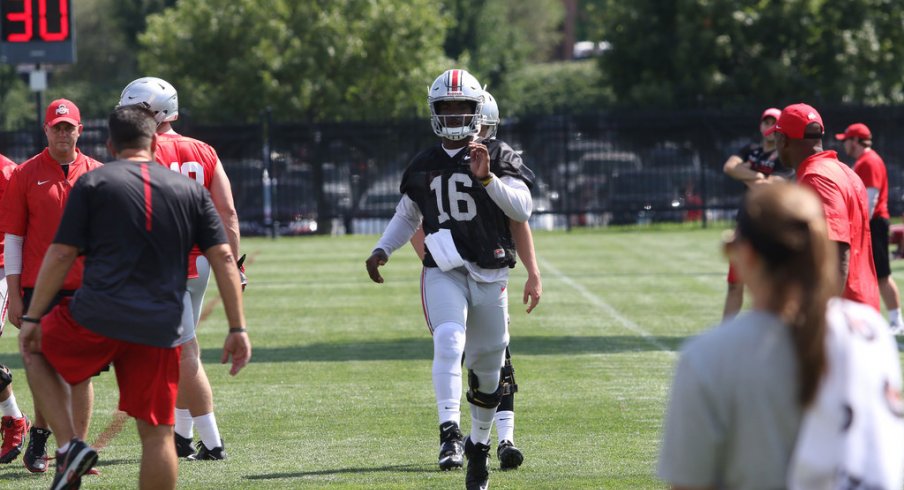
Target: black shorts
{"x":878,"y":228}
{"x":28,"y":292}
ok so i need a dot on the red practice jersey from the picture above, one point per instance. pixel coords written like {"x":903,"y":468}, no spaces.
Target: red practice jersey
{"x":843,"y":199}
{"x":192,"y":158}
{"x":33,"y":205}
{"x":6,"y":172}
{"x":872,"y":171}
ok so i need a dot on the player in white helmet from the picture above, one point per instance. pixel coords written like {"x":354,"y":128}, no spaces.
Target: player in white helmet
{"x":489,"y":114}
{"x":509,"y":456}
{"x":198,"y":160}
{"x":465,"y":197}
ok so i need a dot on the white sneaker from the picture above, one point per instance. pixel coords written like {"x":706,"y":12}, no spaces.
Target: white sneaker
{"x":896,"y":329}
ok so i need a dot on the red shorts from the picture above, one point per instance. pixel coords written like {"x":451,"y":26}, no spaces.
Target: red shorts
{"x":148,"y":377}
{"x":732,"y":275}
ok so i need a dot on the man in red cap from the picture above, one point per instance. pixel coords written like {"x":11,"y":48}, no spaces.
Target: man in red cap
{"x":754,"y":164}
{"x":30,"y":212}
{"x":798,"y":141}
{"x":858,"y":144}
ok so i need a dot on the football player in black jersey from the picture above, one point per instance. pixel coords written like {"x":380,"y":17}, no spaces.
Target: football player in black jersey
{"x":464,"y":197}
{"x":509,"y":456}
{"x":754,"y":164}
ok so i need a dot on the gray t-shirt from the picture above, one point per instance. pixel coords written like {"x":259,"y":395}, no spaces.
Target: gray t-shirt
{"x":734,"y":413}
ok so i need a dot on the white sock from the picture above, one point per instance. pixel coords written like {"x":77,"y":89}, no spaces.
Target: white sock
{"x":505,"y":425}
{"x":481,"y":424}
{"x":9,"y":408}
{"x":448,"y":345}
{"x":184,"y":423}
{"x":894,"y":317}
{"x":208,"y":430}
{"x":65,"y":447}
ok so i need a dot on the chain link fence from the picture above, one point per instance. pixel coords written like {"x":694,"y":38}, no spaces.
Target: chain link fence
{"x":599,"y":170}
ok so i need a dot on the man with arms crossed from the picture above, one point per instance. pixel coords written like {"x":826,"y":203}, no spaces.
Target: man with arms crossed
{"x":754,"y":164}
{"x":30,"y":212}
{"x":195,"y":160}
{"x":127,"y":218}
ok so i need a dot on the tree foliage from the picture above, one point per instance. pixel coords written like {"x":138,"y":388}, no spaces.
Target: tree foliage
{"x":554,"y":88}
{"x":318,"y":61}
{"x":713,"y":52}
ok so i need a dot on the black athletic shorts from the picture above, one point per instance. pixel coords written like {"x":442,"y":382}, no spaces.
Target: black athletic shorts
{"x":28,"y":292}
{"x":878,"y":228}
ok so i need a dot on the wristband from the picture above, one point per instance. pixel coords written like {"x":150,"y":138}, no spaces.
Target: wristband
{"x":28,"y":319}
{"x":237,"y":329}
{"x":487,"y":180}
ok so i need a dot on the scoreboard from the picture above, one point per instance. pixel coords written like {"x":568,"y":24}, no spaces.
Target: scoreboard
{"x":36,"y":31}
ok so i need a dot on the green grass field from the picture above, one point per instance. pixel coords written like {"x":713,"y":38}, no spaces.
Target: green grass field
{"x":339,"y":394}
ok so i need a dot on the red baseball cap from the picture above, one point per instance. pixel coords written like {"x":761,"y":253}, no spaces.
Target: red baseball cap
{"x":794,"y":120}
{"x":856,"y":130}
{"x":62,"y":110}
{"x":771,"y":112}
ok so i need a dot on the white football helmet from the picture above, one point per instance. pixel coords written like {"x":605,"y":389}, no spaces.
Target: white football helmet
{"x":154,"y":93}
{"x":450,"y":86}
{"x":489,"y":113}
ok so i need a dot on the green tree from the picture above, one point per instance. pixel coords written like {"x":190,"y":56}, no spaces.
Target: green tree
{"x":510,"y":35}
{"x":711,"y":52}
{"x":319,"y":61}
{"x":567,"y":87}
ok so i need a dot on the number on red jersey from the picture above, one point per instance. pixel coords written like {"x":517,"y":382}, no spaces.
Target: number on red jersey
{"x":192,"y":170}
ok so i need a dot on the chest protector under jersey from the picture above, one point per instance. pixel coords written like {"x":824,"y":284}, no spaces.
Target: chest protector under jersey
{"x":450,"y":197}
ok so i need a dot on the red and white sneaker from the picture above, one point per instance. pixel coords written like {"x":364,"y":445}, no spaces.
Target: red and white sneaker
{"x":14,"y":430}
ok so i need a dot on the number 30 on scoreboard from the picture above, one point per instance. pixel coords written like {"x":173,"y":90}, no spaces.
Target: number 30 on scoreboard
{"x":36,"y":31}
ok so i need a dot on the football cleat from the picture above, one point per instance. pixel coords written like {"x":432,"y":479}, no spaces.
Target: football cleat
{"x":183,"y":446}
{"x":451,"y":448}
{"x":14,"y":430}
{"x":72,"y":465}
{"x":35,"y":457}
{"x":509,"y":456}
{"x":205,"y":454}
{"x":478,"y":473}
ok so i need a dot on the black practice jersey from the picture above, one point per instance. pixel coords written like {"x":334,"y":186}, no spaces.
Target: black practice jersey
{"x":765,"y":162}
{"x":449,"y":196}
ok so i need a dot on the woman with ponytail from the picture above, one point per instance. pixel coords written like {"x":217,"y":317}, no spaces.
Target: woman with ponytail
{"x":742,"y":390}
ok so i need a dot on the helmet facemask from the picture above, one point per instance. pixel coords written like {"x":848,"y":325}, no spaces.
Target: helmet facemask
{"x":455,"y":126}
{"x":455,"y":85}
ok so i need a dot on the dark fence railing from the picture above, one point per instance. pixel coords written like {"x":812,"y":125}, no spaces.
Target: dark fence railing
{"x":599,"y":170}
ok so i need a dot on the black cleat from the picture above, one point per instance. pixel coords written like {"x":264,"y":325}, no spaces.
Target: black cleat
{"x":451,"y":448}
{"x":183,"y":446}
{"x":509,"y":456}
{"x":72,"y":465}
{"x":35,"y":457}
{"x":478,"y":474}
{"x":205,"y":454}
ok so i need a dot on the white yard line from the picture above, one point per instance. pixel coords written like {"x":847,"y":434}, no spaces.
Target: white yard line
{"x":600,"y":303}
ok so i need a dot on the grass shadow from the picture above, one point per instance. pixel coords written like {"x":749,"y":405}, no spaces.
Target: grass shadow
{"x":406,"y":468}
{"x":422,"y":348}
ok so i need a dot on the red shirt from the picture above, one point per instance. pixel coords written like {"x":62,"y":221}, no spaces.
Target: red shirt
{"x":843,"y":198}
{"x":32,"y":207}
{"x":195,"y":160}
{"x":6,"y":171}
{"x":871,"y":170}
